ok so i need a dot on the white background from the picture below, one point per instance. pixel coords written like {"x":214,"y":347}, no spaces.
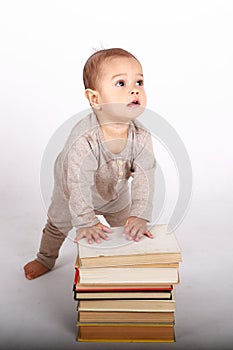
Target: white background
{"x":186,"y":50}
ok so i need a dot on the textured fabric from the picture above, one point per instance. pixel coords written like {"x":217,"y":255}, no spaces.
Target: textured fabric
{"x":50,"y":244}
{"x":89,"y":178}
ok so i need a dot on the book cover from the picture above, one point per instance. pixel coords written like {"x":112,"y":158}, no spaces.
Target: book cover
{"x":126,"y":332}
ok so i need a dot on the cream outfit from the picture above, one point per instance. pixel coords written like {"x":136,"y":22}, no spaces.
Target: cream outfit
{"x":89,"y":180}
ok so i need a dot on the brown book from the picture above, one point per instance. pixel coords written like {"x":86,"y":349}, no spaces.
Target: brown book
{"x":120,"y":317}
{"x":150,"y":332}
{"x":162,"y":249}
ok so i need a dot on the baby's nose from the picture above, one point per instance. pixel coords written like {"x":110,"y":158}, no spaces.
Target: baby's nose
{"x":134,"y":91}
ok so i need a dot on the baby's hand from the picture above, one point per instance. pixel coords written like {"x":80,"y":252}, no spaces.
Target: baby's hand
{"x":135,"y":228}
{"x":95,"y":233}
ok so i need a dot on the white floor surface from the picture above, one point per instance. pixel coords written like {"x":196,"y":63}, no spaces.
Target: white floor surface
{"x":40,"y":314}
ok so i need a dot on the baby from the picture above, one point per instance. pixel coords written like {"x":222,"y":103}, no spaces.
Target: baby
{"x":104,"y":150}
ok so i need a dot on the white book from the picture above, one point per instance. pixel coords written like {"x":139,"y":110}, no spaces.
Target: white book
{"x":163,"y":248}
{"x":128,"y":275}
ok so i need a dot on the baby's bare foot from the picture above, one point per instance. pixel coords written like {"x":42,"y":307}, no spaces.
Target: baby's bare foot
{"x":34,"y":269}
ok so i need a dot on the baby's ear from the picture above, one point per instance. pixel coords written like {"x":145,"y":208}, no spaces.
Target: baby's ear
{"x":93,"y":98}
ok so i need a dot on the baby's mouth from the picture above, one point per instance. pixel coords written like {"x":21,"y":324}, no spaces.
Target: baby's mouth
{"x":133,"y":103}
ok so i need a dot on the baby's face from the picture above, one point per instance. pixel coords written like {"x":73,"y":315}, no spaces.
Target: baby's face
{"x":121,"y":87}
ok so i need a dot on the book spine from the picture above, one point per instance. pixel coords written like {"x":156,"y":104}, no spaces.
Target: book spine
{"x":76,"y":279}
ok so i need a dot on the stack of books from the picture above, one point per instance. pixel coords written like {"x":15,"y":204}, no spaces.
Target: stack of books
{"x":127,"y":293}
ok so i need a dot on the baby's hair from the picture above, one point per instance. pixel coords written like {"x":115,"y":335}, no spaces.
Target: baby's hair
{"x":92,"y":66}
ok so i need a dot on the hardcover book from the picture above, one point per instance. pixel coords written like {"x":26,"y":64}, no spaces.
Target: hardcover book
{"x":163,"y":248}
{"x":126,"y":332}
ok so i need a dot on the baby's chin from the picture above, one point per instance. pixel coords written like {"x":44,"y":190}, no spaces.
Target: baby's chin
{"x":134,"y":111}
{"x":123,"y":112}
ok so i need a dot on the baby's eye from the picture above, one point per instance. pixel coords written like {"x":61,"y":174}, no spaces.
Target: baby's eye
{"x":139,"y":83}
{"x":120,"y":83}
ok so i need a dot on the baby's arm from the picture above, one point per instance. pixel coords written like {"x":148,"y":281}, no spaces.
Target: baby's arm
{"x":135,"y":228}
{"x":142,"y":189}
{"x":81,"y":168}
{"x":95,"y":233}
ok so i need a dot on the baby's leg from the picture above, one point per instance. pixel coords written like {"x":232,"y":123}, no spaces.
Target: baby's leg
{"x":51,"y":242}
{"x":119,"y":218}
